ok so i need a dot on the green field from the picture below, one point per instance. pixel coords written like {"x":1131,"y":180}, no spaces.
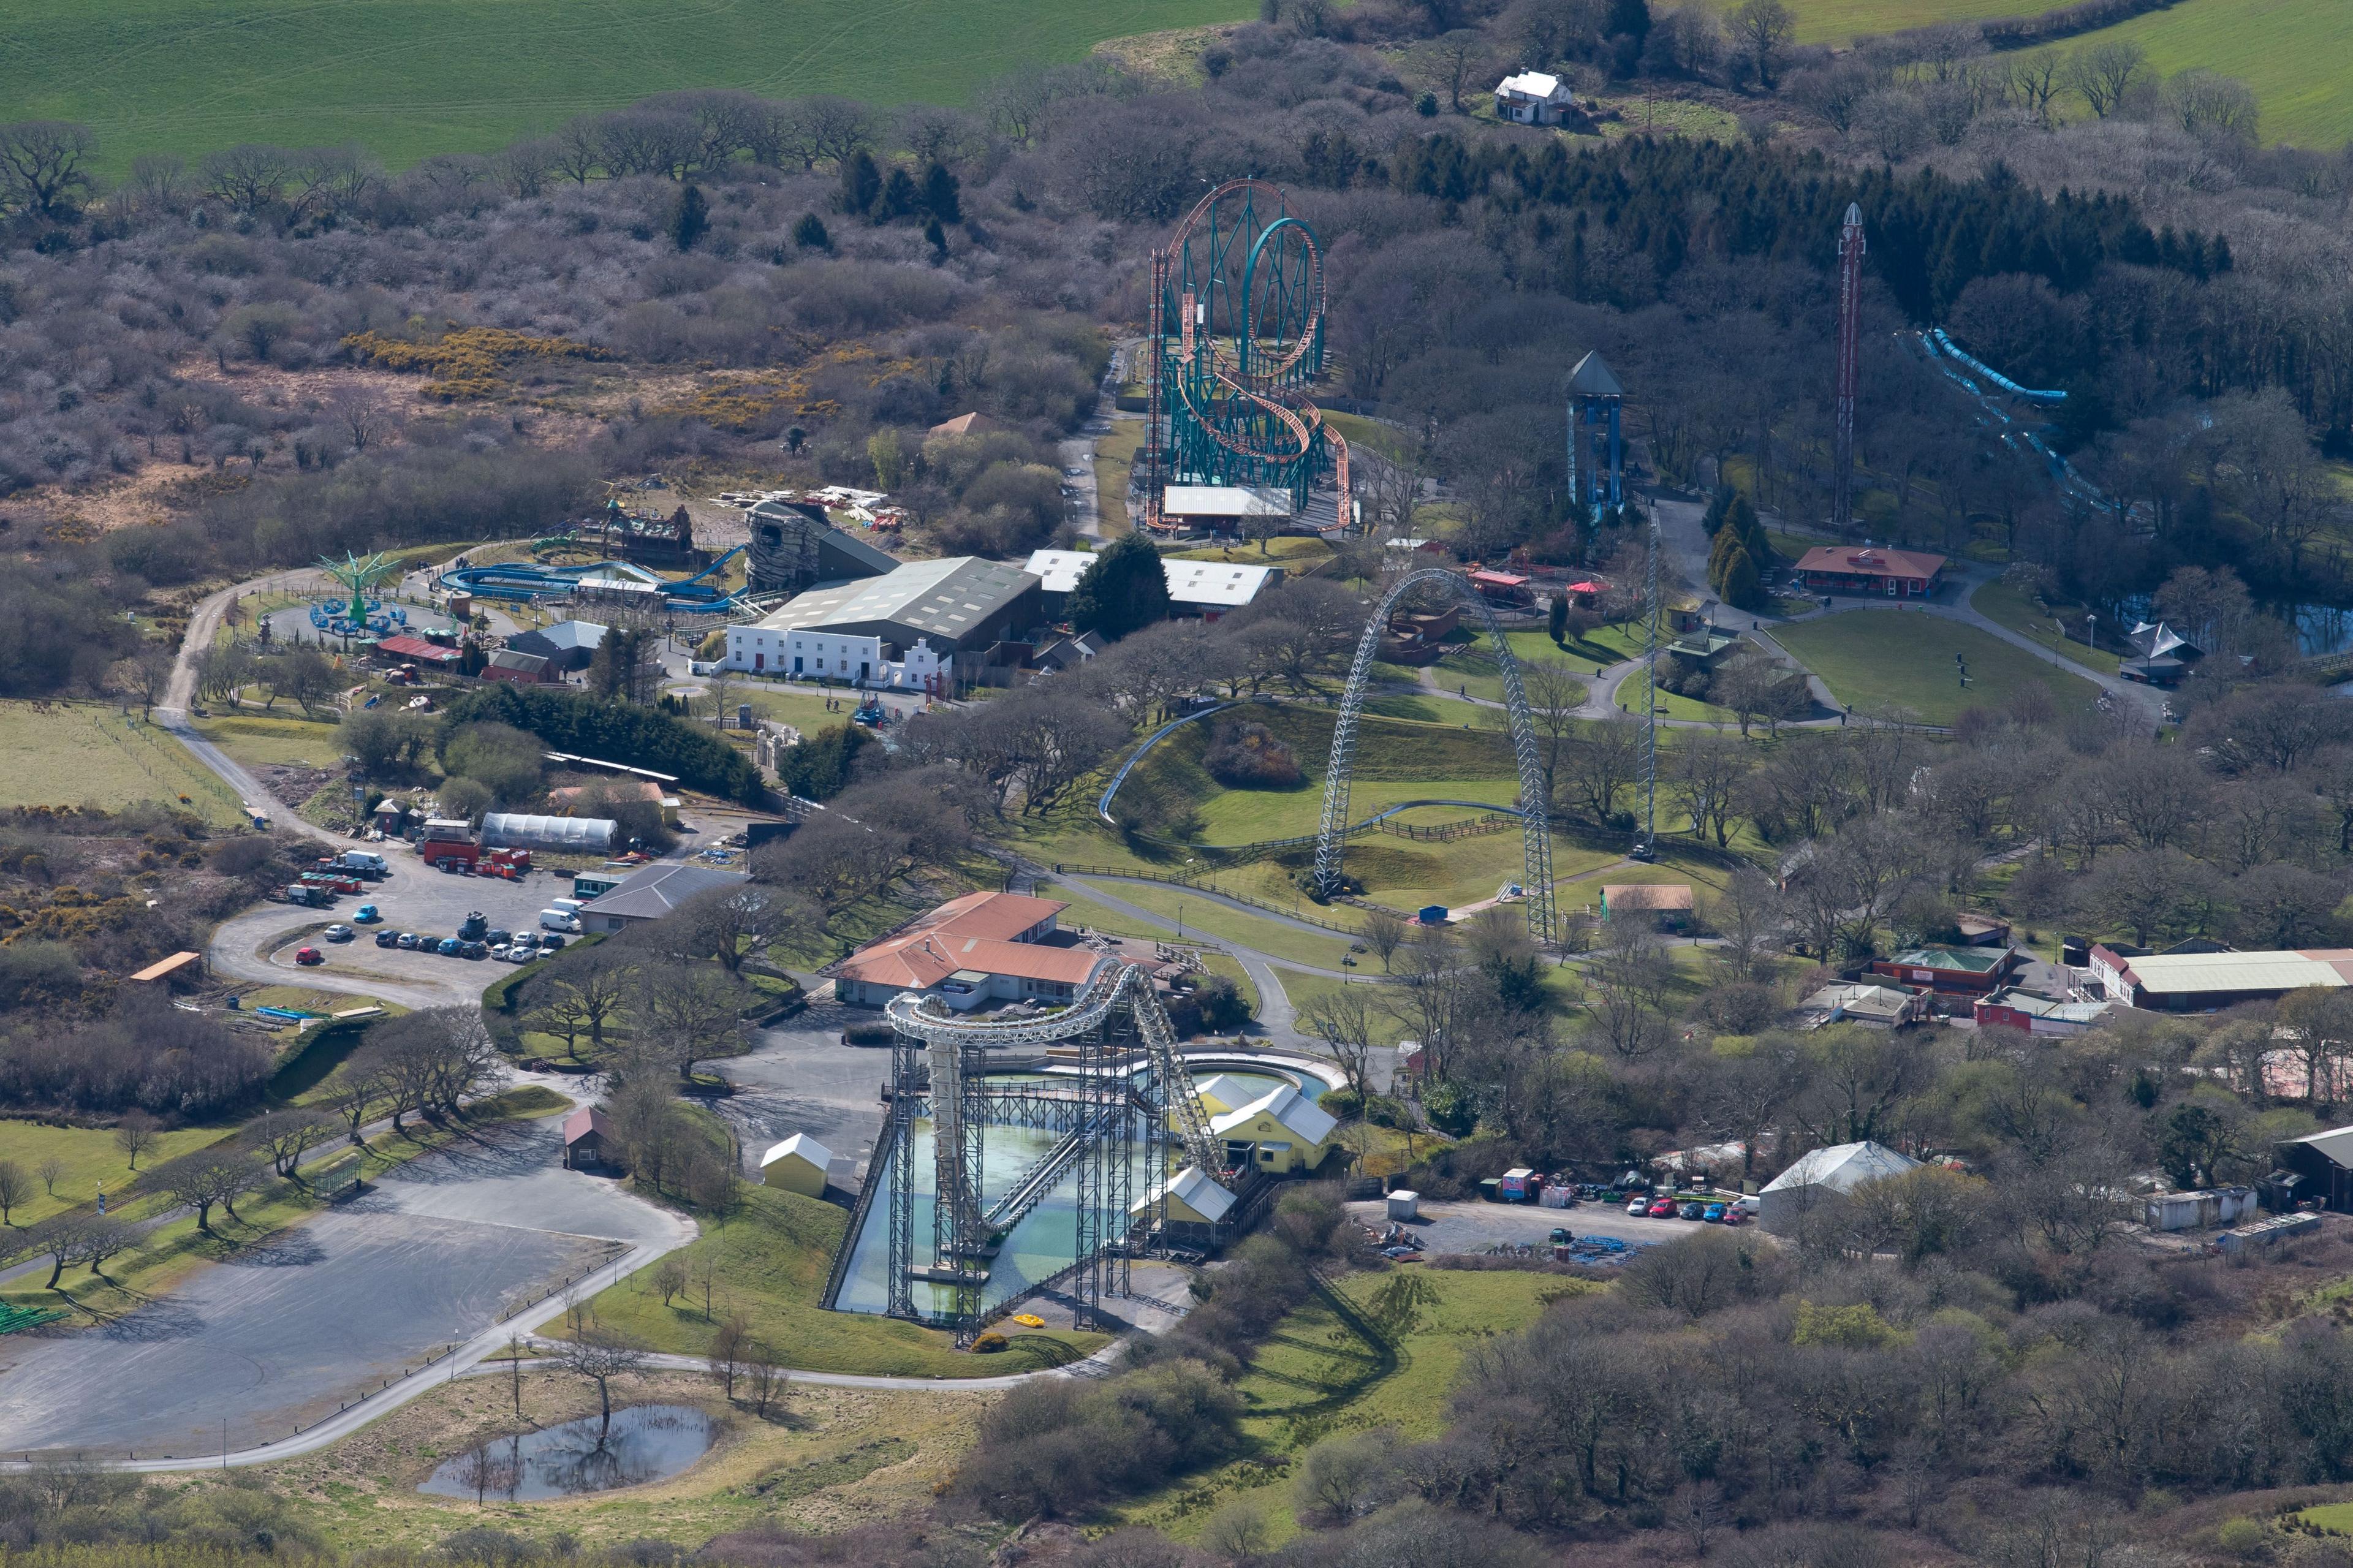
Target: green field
{"x":2297,"y":54}
{"x":91,"y":754}
{"x":1318,"y":1376}
{"x":769,"y":1261}
{"x":259,"y":740}
{"x":90,"y":1160}
{"x":415,"y":78}
{"x":1893,"y":658}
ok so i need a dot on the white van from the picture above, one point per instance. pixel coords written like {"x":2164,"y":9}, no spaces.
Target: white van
{"x":567,"y":906}
{"x":558,"y":920}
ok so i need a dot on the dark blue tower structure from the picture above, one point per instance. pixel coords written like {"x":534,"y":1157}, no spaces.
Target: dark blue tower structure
{"x":1596,"y":454}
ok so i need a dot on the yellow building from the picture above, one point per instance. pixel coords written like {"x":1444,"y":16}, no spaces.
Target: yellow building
{"x":1278,"y":1132}
{"x":1194,"y":1198}
{"x":798,"y":1164}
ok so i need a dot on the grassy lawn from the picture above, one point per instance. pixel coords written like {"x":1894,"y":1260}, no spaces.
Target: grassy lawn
{"x":1470,"y":669}
{"x":1304,"y":988}
{"x":770,"y":1260}
{"x":1359,"y":431}
{"x":87,"y":754}
{"x":801,"y":706}
{"x":90,"y":1160}
{"x":168,"y":1253}
{"x":1875,"y":658}
{"x":1316,"y":1375}
{"x":1295,"y":553}
{"x":455,"y":76}
{"x":1114,"y":462}
{"x":259,"y":740}
{"x":1998,"y":602}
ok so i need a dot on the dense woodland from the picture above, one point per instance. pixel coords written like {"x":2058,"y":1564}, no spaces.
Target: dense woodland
{"x":1974,"y":1364}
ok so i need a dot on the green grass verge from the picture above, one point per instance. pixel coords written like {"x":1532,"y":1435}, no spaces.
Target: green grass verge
{"x":1999,"y":603}
{"x":1114,"y":462}
{"x":1205,"y":917}
{"x":255,"y":740}
{"x":1317,"y":1376}
{"x":770,"y":1260}
{"x":87,"y":754}
{"x":90,"y":1161}
{"x":2296,"y":55}
{"x":1873,"y":658}
{"x":429,"y":77}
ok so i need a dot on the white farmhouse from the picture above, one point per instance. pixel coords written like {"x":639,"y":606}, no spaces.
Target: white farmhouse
{"x":1533,"y":98}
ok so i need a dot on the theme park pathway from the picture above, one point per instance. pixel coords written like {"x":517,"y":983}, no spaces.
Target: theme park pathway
{"x":172,"y":714}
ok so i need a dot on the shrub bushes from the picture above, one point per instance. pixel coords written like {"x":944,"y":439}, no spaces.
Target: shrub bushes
{"x":1248,"y":755}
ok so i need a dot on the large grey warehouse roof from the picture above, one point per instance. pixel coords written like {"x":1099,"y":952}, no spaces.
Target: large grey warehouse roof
{"x":948,"y":597}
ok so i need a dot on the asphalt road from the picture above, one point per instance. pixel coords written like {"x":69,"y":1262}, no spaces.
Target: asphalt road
{"x":800,"y":1077}
{"x":285,"y":1335}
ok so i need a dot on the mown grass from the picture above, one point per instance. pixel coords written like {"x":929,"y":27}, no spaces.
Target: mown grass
{"x":1318,"y":1376}
{"x":258,"y":740}
{"x":87,"y":754}
{"x":768,"y":1261}
{"x":1114,"y":462}
{"x":1999,"y":603}
{"x":432,"y":77}
{"x":1204,"y":917}
{"x":1873,"y":658}
{"x":90,"y":1160}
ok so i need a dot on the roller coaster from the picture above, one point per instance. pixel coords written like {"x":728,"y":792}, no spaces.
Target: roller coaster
{"x":1237,"y":338}
{"x":515,"y":581}
{"x":1125,"y":1096}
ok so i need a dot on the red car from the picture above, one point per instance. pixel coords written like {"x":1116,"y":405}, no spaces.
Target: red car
{"x":1663,"y":1208}
{"x":309,"y":955}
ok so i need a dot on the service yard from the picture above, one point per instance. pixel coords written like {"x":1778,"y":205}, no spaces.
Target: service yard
{"x":1473,"y":1226}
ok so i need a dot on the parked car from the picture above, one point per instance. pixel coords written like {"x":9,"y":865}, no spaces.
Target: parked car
{"x":1690,"y":1211}
{"x":1714,"y":1214}
{"x":1735,"y":1215}
{"x":498,"y":950}
{"x":309,"y":955}
{"x":366,"y":915}
{"x":338,"y":933}
{"x":473,"y":949}
{"x":387,"y":939}
{"x":497,"y":936}
{"x":406,"y":941}
{"x":1561,"y":1237}
{"x":448,"y":947}
{"x":1663,"y":1208}
{"x":1638,"y":1206}
{"x":551,"y":942}
{"x":519,"y":954}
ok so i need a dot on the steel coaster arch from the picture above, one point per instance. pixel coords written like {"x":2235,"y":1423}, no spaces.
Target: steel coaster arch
{"x":1535,"y":808}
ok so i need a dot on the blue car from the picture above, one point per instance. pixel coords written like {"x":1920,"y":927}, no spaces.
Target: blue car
{"x":1714,"y":1214}
{"x":366,"y":915}
{"x":449,"y":946}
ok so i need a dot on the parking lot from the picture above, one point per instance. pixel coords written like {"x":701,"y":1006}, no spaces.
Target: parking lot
{"x":261,"y":944}
{"x":1472,"y":1225}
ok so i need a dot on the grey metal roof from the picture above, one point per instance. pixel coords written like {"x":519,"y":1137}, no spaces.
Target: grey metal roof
{"x":1593,"y":378}
{"x":2337,"y":1143}
{"x":1843,"y":1167}
{"x":657,"y":889}
{"x":949,"y":598}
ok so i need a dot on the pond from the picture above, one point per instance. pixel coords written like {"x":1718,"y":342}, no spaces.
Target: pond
{"x":645,"y":1443}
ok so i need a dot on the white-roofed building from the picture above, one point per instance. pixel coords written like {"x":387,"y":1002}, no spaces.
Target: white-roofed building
{"x":1533,"y":98}
{"x":902,"y":629}
{"x":1223,"y":1092}
{"x":1279,"y":1132}
{"x":798,"y":1164}
{"x":1204,"y":588}
{"x":1824,"y":1175}
{"x":1222,"y":508}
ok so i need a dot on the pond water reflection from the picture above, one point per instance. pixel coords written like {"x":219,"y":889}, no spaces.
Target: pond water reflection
{"x":645,"y":1443}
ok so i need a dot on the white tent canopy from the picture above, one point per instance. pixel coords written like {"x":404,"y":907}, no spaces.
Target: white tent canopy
{"x":517,"y":830}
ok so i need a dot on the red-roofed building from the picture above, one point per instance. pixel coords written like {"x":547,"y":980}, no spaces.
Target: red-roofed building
{"x":406,"y":647}
{"x":584,"y":1134}
{"x":981,"y":948}
{"x":1501,"y":587}
{"x":1867,"y":569}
